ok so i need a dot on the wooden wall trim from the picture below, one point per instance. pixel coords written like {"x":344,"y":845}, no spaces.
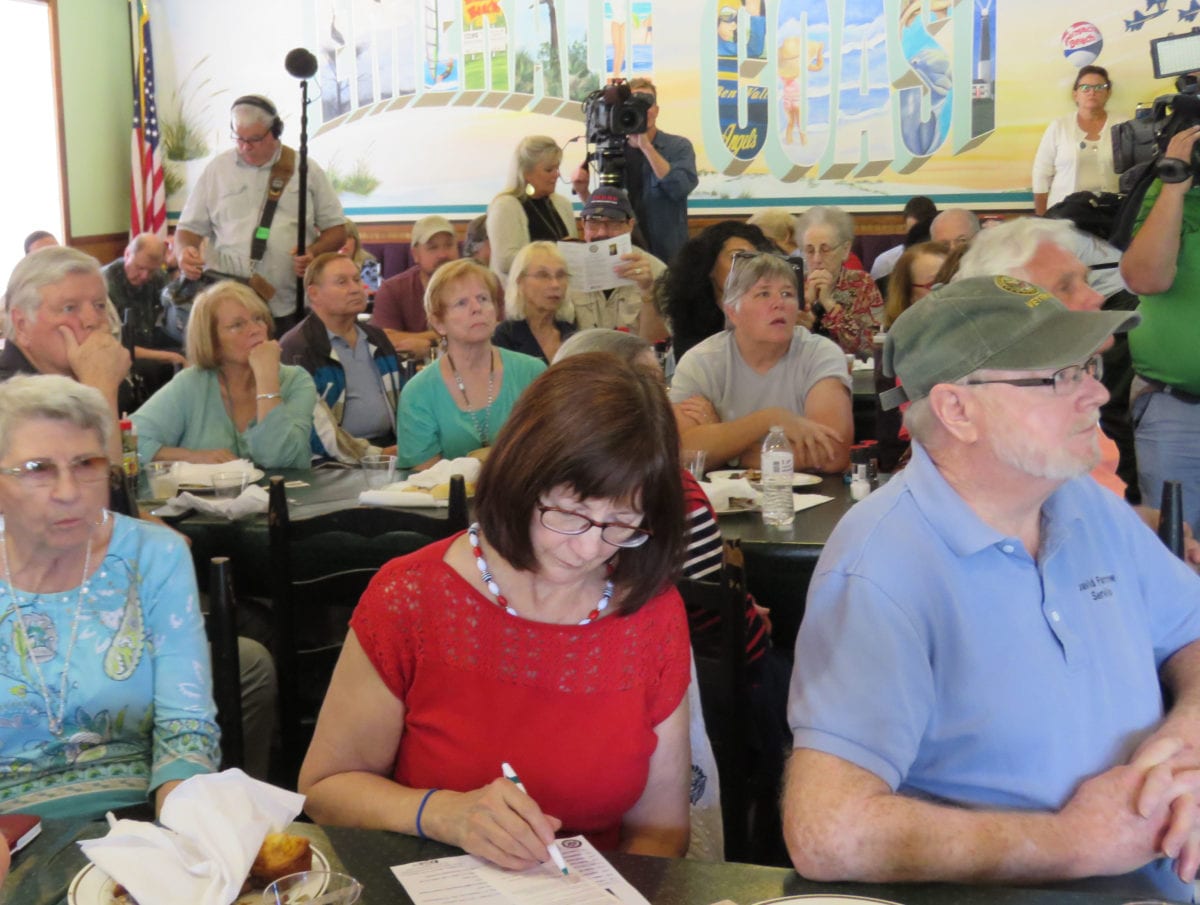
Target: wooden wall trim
{"x":104,"y":247}
{"x":64,"y":189}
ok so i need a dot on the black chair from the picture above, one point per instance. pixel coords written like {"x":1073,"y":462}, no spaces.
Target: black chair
{"x":725,"y":700}
{"x":221,"y":623}
{"x":320,"y":567}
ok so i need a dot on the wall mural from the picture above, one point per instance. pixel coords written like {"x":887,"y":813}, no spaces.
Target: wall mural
{"x":417,"y":104}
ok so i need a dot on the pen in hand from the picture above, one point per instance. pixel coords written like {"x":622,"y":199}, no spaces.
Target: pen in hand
{"x":555,"y":855}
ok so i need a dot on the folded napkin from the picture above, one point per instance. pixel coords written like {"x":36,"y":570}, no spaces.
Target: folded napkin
{"x":212,"y":827}
{"x":396,"y":495}
{"x":808,"y":500}
{"x":441,"y":472}
{"x":720,"y":490}
{"x":860,"y":365}
{"x":251,"y":501}
{"x":194,"y":473}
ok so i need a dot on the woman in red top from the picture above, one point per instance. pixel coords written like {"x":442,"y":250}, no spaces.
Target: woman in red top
{"x":548,"y":637}
{"x":841,"y":302}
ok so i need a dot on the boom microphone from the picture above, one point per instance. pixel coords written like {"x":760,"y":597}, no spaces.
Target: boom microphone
{"x":300,"y":63}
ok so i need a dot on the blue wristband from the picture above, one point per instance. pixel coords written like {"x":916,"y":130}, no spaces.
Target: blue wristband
{"x":421,"y":810}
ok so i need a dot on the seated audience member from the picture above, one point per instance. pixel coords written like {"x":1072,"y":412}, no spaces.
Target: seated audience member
{"x":107,"y":694}
{"x":566,"y":574}
{"x":690,"y":295}
{"x":400,"y":302}
{"x":955,"y":226}
{"x":58,"y":324}
{"x":529,"y":209}
{"x":538,"y":305}
{"x":780,"y":228}
{"x":39,"y":239}
{"x":606,"y":214}
{"x":352,"y":364}
{"x":236,"y":400}
{"x":917,"y":209}
{"x":367,"y":263}
{"x":997,"y":714}
{"x":457,"y":404}
{"x":765,"y":370}
{"x":913,"y":278}
{"x":476,"y":245}
{"x":135,"y":284}
{"x":844,"y":302}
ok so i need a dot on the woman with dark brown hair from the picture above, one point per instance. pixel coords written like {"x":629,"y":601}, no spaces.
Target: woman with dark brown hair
{"x":548,"y":636}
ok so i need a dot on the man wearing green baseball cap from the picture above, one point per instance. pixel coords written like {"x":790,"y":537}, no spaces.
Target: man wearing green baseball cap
{"x":978,"y":689}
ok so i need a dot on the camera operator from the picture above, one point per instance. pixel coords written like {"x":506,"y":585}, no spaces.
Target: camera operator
{"x":1162,"y":265}
{"x":660,"y":173}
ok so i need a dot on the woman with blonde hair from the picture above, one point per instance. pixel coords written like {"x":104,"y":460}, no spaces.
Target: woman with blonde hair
{"x":236,"y":400}
{"x":538,"y":314}
{"x":913,"y":277}
{"x":529,"y":209}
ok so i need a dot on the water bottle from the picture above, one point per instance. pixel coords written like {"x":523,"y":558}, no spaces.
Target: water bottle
{"x":778,"y":508}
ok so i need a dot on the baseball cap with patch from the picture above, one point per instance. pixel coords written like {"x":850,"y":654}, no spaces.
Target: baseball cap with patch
{"x":997,"y":322}
{"x":608,"y":202}
{"x":428,"y":227}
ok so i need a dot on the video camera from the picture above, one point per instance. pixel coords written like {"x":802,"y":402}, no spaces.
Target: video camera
{"x":613,"y":113}
{"x":1143,"y":139}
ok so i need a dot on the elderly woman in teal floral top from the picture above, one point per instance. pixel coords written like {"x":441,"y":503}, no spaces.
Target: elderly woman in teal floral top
{"x":105,"y":690}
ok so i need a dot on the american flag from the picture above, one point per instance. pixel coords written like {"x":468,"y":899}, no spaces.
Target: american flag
{"x":147,"y":195}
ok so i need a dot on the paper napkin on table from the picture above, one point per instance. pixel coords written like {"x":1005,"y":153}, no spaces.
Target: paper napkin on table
{"x":395,"y":495}
{"x":443,"y":470}
{"x":212,"y":827}
{"x":251,"y":501}
{"x":808,"y":500}
{"x":195,"y":473}
{"x":721,"y":490}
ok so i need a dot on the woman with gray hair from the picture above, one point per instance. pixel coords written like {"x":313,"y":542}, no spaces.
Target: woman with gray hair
{"x":529,"y":209}
{"x":537,"y":314}
{"x":107,"y":695}
{"x":766,"y":370}
{"x":845,"y":302}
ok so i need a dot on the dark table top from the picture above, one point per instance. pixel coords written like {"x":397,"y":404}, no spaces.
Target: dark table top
{"x":807,"y":535}
{"x":43,"y":871}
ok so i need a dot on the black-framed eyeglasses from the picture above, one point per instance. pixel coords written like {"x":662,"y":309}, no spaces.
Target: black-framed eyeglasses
{"x":1065,"y":380}
{"x":564,"y":521}
{"x":45,"y":472}
{"x":742,"y":256}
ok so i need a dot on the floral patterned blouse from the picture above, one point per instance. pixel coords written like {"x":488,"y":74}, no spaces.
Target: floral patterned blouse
{"x":139,"y":709}
{"x":852,"y":324}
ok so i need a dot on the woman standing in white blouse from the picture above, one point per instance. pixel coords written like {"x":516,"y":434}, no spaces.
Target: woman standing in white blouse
{"x":1075,"y":154}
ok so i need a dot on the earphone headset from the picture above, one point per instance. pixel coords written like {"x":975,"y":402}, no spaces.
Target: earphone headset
{"x":257,"y":100}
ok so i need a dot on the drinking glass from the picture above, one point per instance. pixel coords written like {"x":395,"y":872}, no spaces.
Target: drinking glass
{"x":228,"y":484}
{"x":313,"y":887}
{"x":693,"y":462}
{"x":379,"y":471}
{"x":163,"y":479}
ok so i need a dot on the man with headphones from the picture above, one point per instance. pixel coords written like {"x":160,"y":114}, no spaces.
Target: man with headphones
{"x":246,"y":203}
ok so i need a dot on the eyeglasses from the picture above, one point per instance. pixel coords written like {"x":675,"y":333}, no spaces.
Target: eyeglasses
{"x":45,"y":472}
{"x":822,"y":251}
{"x":239,"y":326}
{"x":1089,"y":89}
{"x":1065,"y":380}
{"x":544,"y":276}
{"x":564,"y":521}
{"x":928,"y":285}
{"x":237,"y":139}
{"x":742,"y":256}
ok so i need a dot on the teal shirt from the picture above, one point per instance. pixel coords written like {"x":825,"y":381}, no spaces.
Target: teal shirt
{"x":430,"y":423}
{"x":190,"y":413}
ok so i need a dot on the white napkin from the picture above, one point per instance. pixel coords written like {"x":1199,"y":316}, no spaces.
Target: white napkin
{"x":195,"y":473}
{"x":441,"y":472}
{"x":808,"y":500}
{"x":720,"y":490}
{"x":396,"y":495}
{"x":860,"y":365}
{"x":251,"y":501}
{"x":213,"y":826}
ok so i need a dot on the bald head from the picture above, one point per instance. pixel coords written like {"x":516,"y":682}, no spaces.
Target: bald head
{"x":144,"y":256}
{"x":956,"y":226}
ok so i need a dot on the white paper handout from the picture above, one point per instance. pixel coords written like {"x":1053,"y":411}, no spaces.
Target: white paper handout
{"x":593,"y":265}
{"x":465,"y":878}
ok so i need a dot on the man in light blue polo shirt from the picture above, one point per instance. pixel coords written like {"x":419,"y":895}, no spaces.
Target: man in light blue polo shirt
{"x":977,"y":693}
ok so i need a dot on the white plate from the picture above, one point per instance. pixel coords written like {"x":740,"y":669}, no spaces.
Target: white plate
{"x":92,"y":886}
{"x":252,"y":476}
{"x":822,"y":899}
{"x":799,"y":478}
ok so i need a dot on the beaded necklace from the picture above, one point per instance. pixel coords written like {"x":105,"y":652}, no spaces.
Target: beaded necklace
{"x":480,"y":428}
{"x":486,"y":574}
{"x":55,"y":723}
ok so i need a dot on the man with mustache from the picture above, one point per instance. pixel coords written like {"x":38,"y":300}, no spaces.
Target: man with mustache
{"x":978,"y":689}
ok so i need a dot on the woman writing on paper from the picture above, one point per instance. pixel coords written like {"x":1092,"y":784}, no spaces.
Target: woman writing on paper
{"x":550,"y":624}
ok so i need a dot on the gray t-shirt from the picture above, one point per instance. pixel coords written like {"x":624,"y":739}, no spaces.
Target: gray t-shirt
{"x":715,"y":370}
